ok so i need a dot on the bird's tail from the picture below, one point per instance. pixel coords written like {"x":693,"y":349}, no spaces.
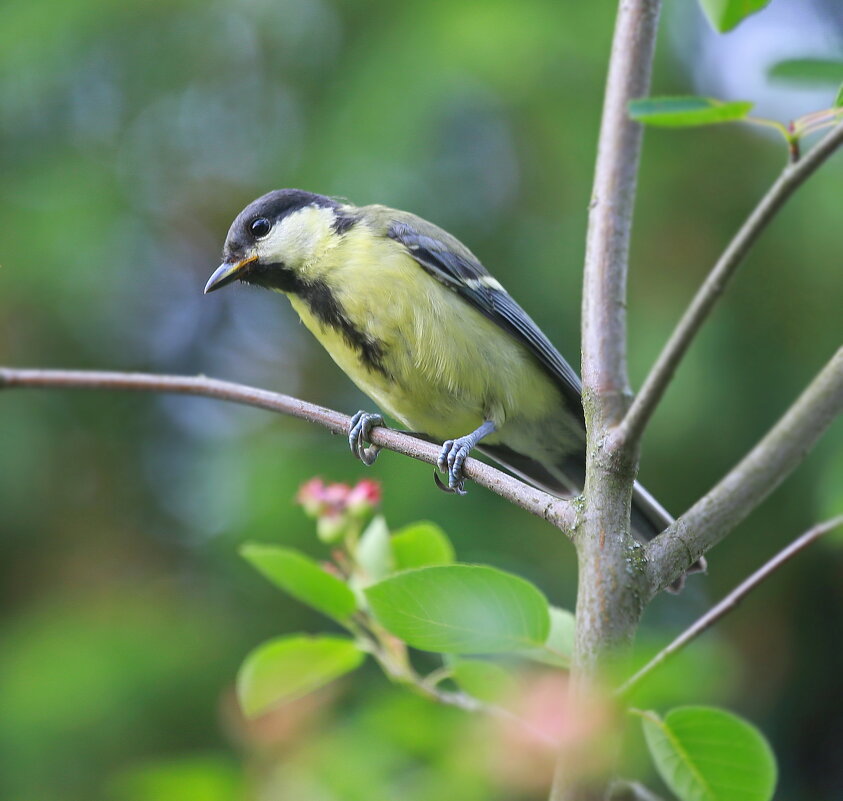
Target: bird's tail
{"x":648,"y":518}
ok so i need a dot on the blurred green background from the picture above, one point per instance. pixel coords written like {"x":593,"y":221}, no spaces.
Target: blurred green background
{"x":131,"y":134}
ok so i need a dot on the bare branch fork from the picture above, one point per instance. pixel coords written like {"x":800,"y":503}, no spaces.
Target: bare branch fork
{"x":778,"y":453}
{"x":732,"y":600}
{"x":557,"y":511}
{"x":611,"y":596}
{"x":792,"y":177}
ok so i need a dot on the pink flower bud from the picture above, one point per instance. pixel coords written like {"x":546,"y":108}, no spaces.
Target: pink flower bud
{"x":311,"y":496}
{"x":364,"y":496}
{"x":336,"y":496}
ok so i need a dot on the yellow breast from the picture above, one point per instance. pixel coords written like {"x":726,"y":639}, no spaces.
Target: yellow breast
{"x":445,"y":368}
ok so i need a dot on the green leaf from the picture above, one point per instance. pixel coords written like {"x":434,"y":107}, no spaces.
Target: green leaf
{"x":724,"y":15}
{"x":463,"y":609}
{"x":838,"y":99}
{"x":200,"y":777}
{"x":708,"y":754}
{"x":486,"y":681}
{"x":374,"y":552}
{"x":302,"y":578}
{"x":289,"y":667}
{"x":421,"y":545}
{"x":559,"y":645}
{"x":683,"y":112}
{"x":807,"y":70}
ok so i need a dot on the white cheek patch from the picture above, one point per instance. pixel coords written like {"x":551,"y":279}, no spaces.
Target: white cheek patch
{"x":298,"y":238}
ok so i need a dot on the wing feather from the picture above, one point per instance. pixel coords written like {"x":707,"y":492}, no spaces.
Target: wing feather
{"x":450,"y":262}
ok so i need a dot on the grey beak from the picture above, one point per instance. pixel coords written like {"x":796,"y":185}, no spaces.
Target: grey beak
{"x":227,"y":273}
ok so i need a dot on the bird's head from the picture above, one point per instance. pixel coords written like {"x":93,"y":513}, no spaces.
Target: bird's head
{"x":277,"y":238}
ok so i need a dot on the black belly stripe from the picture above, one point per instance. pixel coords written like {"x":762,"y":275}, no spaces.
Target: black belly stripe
{"x":325,"y":307}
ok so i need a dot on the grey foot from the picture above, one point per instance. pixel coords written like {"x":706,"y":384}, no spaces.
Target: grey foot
{"x":451,"y":460}
{"x":361,"y":426}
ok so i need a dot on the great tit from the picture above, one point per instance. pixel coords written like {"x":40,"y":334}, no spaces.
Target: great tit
{"x":414,"y":319}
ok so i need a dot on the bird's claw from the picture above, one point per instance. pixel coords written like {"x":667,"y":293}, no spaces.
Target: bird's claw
{"x":451,"y":461}
{"x":445,"y":487}
{"x":359,"y":430}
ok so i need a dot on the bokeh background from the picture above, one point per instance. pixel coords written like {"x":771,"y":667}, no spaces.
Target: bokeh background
{"x":131,"y":134}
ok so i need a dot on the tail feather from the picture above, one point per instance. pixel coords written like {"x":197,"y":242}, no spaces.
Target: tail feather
{"x":648,"y":518}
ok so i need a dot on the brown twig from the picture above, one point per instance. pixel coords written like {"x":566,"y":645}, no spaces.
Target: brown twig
{"x":732,"y":600}
{"x":557,"y":511}
{"x":657,"y":381}
{"x":778,"y":453}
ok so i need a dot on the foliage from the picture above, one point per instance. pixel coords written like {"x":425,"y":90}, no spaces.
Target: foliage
{"x":687,"y":112}
{"x":680,"y":112}
{"x":443,"y":608}
{"x":702,"y":753}
{"x":706,"y":754}
{"x":724,"y":15}
{"x":286,"y":668}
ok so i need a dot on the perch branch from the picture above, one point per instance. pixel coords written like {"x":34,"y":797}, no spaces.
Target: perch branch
{"x":778,"y":453}
{"x":791,"y":178}
{"x":557,"y":511}
{"x":732,"y":599}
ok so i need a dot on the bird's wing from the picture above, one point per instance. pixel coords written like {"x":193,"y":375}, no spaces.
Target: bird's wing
{"x":449,"y":261}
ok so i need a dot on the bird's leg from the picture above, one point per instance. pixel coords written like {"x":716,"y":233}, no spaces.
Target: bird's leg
{"x":361,"y":426}
{"x":455,"y":452}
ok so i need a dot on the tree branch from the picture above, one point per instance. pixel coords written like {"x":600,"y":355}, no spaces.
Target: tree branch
{"x":607,"y":612}
{"x":610,"y":597}
{"x":621,"y":790}
{"x":791,"y":178}
{"x":604,"y":366}
{"x":778,"y":453}
{"x":469,"y":703}
{"x":557,"y":511}
{"x":732,"y":599}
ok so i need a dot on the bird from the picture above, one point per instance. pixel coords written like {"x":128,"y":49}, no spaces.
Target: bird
{"x":413,"y":318}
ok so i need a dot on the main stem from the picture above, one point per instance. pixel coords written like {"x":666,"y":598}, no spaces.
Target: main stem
{"x":612,"y":585}
{"x":610,"y":597}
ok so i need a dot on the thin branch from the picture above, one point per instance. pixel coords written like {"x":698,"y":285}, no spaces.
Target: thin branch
{"x":604,"y":365}
{"x":622,"y":790}
{"x":778,"y":453}
{"x":402,"y":672}
{"x":732,"y":599}
{"x":557,"y":511}
{"x":791,"y":178}
{"x":469,"y":703}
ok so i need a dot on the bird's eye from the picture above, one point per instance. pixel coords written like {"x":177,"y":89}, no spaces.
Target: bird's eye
{"x":260,"y":227}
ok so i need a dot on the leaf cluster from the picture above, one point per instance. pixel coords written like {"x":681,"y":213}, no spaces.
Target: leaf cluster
{"x":393,"y":591}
